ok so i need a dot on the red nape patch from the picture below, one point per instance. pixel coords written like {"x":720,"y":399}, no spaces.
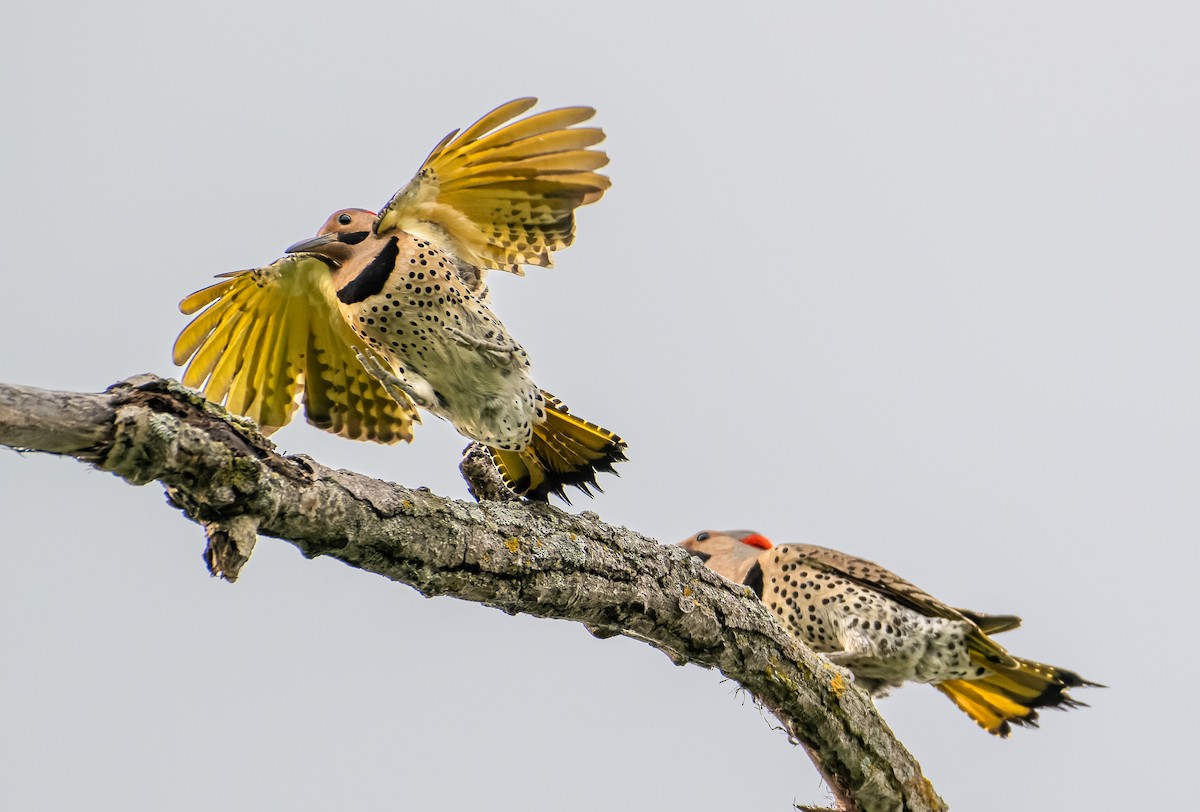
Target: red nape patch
{"x":756,"y":540}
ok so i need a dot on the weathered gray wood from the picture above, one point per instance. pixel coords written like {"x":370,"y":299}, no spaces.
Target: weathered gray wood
{"x":56,"y":422}
{"x":515,"y":556}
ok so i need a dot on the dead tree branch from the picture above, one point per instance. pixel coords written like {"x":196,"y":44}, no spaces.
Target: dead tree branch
{"x":515,"y":556}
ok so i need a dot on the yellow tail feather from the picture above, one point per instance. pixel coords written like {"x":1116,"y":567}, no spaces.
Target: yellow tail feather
{"x":1012,"y":695}
{"x":565,"y":450}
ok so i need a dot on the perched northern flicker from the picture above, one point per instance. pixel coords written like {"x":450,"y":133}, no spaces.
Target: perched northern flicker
{"x":382,"y":313}
{"x":886,"y":631}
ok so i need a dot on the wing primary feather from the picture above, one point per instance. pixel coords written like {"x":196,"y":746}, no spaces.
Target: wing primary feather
{"x":319,"y":404}
{"x":275,"y":333}
{"x":273,"y":379}
{"x":202,"y":297}
{"x":206,"y":358}
{"x":221,"y":380}
{"x":242,"y":388}
{"x":436,"y":151}
{"x":546,"y":144}
{"x":503,"y":192}
{"x":256,"y":371}
{"x":210,"y":334}
{"x":535,"y":125}
{"x":200,"y":329}
{"x":492,"y":120}
{"x":290,"y":361}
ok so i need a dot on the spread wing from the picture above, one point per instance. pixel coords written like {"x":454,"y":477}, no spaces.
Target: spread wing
{"x":873,"y":576}
{"x":504,"y":196}
{"x":272,"y":333}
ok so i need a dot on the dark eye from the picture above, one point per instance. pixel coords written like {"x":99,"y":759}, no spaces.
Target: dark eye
{"x":344,"y":219}
{"x":702,"y":536}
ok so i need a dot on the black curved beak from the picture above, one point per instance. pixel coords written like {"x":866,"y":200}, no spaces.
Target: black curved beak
{"x":311,"y":244}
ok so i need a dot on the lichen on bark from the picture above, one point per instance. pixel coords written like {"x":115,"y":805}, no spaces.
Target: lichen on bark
{"x":516,"y":556}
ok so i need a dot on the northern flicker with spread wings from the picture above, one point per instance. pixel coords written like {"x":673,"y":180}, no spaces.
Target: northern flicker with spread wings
{"x":886,"y":631}
{"x":382,"y":313}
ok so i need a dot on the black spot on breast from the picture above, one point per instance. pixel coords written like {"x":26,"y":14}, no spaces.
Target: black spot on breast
{"x":370,"y":281}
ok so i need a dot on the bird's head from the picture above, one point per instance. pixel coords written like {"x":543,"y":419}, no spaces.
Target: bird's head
{"x":342,"y":231}
{"x":730,"y":553}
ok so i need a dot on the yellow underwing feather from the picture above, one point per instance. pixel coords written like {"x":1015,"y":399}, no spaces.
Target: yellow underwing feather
{"x":318,"y":400}
{"x":465,"y":148}
{"x":229,"y":362}
{"x":245,"y":378}
{"x":273,"y":333}
{"x":491,"y":120}
{"x":500,"y":194}
{"x":197,"y":332}
{"x":207,"y":351}
{"x":441,"y":144}
{"x":207,"y":295}
{"x":554,"y":143}
{"x":274,"y":398}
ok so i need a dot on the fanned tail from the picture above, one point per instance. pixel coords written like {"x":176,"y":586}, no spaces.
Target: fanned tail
{"x":1011,"y":696}
{"x":565,"y":450}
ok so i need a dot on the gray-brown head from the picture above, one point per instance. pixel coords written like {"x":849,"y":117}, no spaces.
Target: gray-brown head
{"x":730,"y":553}
{"x":339,"y":235}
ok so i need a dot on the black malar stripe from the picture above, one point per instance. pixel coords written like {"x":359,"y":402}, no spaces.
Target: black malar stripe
{"x":754,"y":579}
{"x":371,"y":280}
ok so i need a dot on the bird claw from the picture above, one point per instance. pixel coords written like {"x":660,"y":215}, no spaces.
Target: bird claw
{"x":840,"y":670}
{"x":843,"y":664}
{"x":503,"y":351}
{"x":395,"y":385}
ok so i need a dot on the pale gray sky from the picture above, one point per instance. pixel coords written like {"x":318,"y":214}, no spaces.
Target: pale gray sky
{"x":914,"y":282}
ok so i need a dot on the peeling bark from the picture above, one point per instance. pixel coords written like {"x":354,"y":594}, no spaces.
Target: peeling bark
{"x":513,"y":555}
